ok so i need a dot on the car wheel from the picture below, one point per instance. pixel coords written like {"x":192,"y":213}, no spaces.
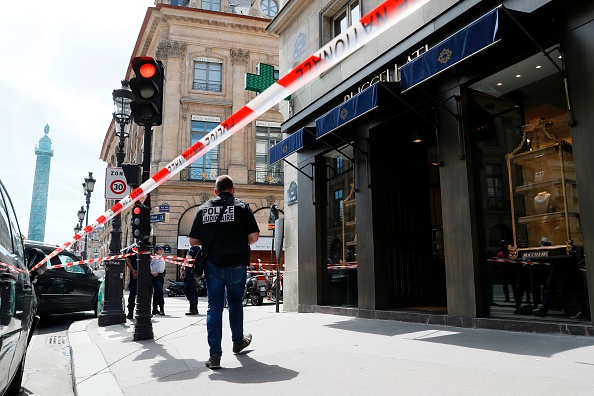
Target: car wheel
{"x":257,"y":299}
{"x":15,"y":385}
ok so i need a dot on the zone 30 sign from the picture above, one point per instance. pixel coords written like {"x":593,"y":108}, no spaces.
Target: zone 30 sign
{"x":116,"y":186}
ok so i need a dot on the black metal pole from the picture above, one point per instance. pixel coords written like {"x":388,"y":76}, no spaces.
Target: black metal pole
{"x":143,"y":330}
{"x":113,"y":311}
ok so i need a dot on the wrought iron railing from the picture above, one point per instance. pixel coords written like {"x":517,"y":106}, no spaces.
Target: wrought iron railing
{"x":266,"y":177}
{"x":201,"y":174}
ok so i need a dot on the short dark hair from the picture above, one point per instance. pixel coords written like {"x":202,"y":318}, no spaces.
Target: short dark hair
{"x":224,"y":183}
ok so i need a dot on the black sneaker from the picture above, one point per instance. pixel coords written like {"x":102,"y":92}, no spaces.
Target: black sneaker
{"x":214,"y":362}
{"x":247,"y":340}
{"x":130,"y":315}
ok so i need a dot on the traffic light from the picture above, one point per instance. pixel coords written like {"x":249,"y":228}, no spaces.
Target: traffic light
{"x":147,"y":87}
{"x":141,"y":221}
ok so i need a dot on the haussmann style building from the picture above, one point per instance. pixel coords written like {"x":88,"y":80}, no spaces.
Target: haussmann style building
{"x":207,"y":48}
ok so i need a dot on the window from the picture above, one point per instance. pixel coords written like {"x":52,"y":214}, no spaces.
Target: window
{"x":212,"y":5}
{"x":494,"y":186}
{"x":269,"y":7}
{"x":207,"y":166}
{"x":73,"y":269}
{"x":338,"y":197}
{"x":345,"y":17}
{"x":266,"y":137}
{"x":207,"y":76}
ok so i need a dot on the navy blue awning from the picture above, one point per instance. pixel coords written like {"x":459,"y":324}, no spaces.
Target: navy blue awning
{"x":355,"y":107}
{"x":288,"y":146}
{"x":474,"y":38}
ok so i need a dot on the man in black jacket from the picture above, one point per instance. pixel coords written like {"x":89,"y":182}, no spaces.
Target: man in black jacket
{"x":225,"y":227}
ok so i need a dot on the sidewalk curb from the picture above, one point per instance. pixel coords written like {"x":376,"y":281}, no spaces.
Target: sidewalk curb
{"x":92,"y":372}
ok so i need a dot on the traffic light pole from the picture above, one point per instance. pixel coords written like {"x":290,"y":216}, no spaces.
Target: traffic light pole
{"x":143,"y":330}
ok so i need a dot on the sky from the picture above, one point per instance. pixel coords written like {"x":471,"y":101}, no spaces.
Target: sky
{"x":62,"y":60}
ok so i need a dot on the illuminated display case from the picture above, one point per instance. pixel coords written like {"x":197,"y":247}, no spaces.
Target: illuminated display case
{"x":543,"y":191}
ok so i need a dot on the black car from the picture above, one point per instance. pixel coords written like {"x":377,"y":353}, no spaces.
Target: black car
{"x":66,"y":288}
{"x":18,"y":303}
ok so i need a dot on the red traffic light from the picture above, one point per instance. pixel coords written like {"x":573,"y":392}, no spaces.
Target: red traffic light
{"x":136,"y":210}
{"x":147,"y":87}
{"x":147,"y":70}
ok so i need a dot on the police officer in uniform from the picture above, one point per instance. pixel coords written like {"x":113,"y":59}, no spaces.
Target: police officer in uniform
{"x":132,"y":264}
{"x":225,"y":240}
{"x":190,"y":281}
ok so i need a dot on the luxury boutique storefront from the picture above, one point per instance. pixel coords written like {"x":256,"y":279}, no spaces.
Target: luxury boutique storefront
{"x":412,"y":183}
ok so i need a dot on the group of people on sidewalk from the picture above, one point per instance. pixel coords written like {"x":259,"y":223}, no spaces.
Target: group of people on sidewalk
{"x":220,"y":239}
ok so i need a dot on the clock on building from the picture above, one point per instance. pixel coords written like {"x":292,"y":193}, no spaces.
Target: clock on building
{"x":269,"y":7}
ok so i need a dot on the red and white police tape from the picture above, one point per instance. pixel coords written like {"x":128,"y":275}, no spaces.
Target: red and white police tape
{"x":377,"y":21}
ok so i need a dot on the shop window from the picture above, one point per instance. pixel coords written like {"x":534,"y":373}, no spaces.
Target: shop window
{"x":212,"y":5}
{"x":340,"y":229}
{"x":266,"y":137}
{"x":541,"y":218}
{"x":207,"y":76}
{"x":206,"y":167}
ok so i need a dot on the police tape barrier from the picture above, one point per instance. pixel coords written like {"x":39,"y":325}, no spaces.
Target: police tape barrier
{"x":380,"y":19}
{"x":11,"y":267}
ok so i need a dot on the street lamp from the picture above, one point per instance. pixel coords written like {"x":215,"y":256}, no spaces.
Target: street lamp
{"x":122,"y":115}
{"x":81,"y":216}
{"x":88,"y":187}
{"x":112,"y":307}
{"x":77,"y":229}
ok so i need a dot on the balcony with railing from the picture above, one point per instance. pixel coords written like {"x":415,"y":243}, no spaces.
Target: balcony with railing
{"x":266,"y":177}
{"x":201,"y":173}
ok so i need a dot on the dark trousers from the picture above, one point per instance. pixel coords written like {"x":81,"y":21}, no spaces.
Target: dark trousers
{"x":190,"y":286}
{"x":132,"y":290}
{"x":158,"y":282}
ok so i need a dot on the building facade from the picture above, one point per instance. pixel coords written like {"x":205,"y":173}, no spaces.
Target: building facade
{"x":206,"y":47}
{"x":464,"y":127}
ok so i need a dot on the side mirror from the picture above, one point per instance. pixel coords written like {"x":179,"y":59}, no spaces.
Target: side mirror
{"x":35,"y":256}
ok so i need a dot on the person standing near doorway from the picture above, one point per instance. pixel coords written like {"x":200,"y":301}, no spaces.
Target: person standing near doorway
{"x":190,"y":283}
{"x":225,"y":227}
{"x":158,"y":280}
{"x":132,"y":264}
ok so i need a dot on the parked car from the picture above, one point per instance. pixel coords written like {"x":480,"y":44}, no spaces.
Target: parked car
{"x":18,"y":303}
{"x":66,"y":289}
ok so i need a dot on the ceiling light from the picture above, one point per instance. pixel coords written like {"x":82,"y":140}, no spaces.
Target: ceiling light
{"x":499,"y":84}
{"x":417,"y":141}
{"x":538,"y":67}
{"x":518,"y":75}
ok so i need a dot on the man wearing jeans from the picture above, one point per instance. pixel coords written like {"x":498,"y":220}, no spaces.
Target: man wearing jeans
{"x":225,"y":227}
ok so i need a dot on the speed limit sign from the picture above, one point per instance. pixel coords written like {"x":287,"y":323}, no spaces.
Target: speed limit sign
{"x":116,"y":186}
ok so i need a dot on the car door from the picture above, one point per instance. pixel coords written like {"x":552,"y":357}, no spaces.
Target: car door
{"x":80,"y":284}
{"x":50,"y":287}
{"x":17,"y":301}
